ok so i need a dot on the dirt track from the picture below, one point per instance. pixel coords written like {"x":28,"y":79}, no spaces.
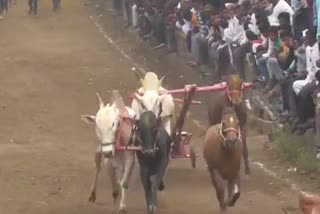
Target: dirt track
{"x":51,"y":67}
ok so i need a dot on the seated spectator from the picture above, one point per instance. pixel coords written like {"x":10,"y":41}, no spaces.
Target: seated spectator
{"x":278,"y":65}
{"x":262,"y":58}
{"x":240,"y":46}
{"x":262,"y":51}
{"x":312,"y":55}
{"x":295,"y":72}
{"x":235,"y":37}
{"x":304,"y":88}
{"x":316,"y":92}
{"x":306,"y":106}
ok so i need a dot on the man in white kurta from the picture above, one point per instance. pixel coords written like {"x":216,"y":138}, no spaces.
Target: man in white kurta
{"x":312,"y":55}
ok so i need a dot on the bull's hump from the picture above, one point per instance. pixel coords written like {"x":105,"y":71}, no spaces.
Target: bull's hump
{"x":151,"y":82}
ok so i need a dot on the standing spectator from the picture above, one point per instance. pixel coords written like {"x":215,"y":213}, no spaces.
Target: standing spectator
{"x":56,"y":5}
{"x":281,"y":6}
{"x":117,"y":6}
{"x":316,"y":15}
{"x":3,"y":8}
{"x":215,"y":39}
{"x":33,"y":7}
{"x":301,"y":18}
{"x":199,"y":41}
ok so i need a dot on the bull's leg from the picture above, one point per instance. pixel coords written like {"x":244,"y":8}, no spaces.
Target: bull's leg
{"x":128,"y":168}
{"x":219,"y":187}
{"x":97,"y":158}
{"x":146,"y":183}
{"x":157,"y":180}
{"x":154,"y":190}
{"x":234,"y":191}
{"x":114,"y":181}
{"x":245,"y":150}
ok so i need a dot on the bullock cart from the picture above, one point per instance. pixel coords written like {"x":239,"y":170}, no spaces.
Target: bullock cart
{"x":181,"y":146}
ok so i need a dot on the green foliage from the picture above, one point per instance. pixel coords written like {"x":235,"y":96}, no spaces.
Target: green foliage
{"x":298,"y":150}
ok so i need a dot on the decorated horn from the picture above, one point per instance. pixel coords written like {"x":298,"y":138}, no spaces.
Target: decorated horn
{"x":101,"y":104}
{"x":137,"y":74}
{"x":162,"y":78}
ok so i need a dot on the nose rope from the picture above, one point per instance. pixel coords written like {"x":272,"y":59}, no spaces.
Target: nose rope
{"x":224,"y":139}
{"x":155,"y":147}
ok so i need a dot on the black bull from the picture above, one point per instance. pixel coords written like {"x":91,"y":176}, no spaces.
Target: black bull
{"x":154,"y":157}
{"x":217,"y":101}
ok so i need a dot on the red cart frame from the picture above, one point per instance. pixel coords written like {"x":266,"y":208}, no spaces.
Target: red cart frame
{"x":181,"y":139}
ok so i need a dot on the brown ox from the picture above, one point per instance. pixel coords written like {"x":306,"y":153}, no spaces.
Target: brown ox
{"x":223,"y":154}
{"x":232,"y":97}
{"x":309,"y":203}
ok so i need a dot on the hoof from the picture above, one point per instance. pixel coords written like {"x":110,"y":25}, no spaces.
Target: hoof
{"x":247,"y":170}
{"x":234,"y":199}
{"x":223,"y":208}
{"x":161,"y":186}
{"x":152,"y":210}
{"x":122,"y":211}
{"x":115,"y":196}
{"x":92,"y":197}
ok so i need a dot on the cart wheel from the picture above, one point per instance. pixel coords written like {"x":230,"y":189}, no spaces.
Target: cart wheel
{"x":193,"y":157}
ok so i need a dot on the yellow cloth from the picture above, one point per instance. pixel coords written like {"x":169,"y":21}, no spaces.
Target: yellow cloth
{"x":194,"y":20}
{"x":284,"y":52}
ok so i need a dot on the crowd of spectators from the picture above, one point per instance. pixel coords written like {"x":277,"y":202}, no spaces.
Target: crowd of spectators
{"x":32,"y":4}
{"x":281,"y":36}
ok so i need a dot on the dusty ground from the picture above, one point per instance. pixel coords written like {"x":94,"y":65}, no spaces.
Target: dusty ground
{"x":51,"y":67}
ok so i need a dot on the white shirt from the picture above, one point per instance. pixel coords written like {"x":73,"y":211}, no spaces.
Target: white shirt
{"x":253,"y":25}
{"x":264,"y":41}
{"x":235,"y":32}
{"x":186,"y":27}
{"x":270,"y":48}
{"x":282,"y":7}
{"x":312,"y":55}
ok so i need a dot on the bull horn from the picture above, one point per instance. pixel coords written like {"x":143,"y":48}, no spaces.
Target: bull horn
{"x":114,"y":96}
{"x":142,"y":83}
{"x":137,"y":74}
{"x":101,"y":104}
{"x":161,"y":80}
{"x":119,"y":101}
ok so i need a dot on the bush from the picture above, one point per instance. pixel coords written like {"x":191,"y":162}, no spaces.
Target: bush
{"x":298,"y":150}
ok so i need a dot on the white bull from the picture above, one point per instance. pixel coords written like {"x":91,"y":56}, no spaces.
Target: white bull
{"x":121,"y":163}
{"x":151,"y":100}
